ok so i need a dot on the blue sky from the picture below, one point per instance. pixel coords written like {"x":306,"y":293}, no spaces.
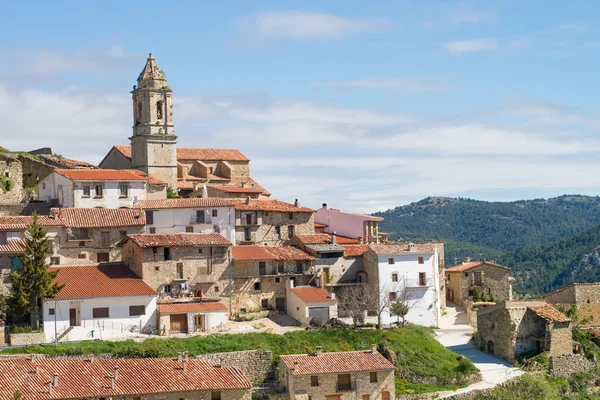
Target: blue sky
{"x":365,"y":105}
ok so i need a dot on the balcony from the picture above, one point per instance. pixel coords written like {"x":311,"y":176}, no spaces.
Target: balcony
{"x":200,"y":221}
{"x":248,"y":238}
{"x":419,"y":283}
{"x":343,"y":388}
{"x":273,"y":273}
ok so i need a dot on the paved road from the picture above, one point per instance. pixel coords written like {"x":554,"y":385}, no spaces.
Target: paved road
{"x":455,"y":334}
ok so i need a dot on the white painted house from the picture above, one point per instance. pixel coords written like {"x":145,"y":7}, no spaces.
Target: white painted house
{"x":310,"y":305}
{"x":102,"y":301}
{"x":191,"y":215}
{"x":406,"y":272}
{"x":92,"y":188}
{"x":349,"y":224}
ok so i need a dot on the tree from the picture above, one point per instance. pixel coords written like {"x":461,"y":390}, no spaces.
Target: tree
{"x":171,"y":194}
{"x":400,"y":309}
{"x":33,"y":281}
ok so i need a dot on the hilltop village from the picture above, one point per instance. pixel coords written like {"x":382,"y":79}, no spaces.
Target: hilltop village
{"x":159,"y":240}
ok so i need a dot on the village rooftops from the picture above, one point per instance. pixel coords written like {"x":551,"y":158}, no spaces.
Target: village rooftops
{"x":237,"y":189}
{"x":76,"y":378}
{"x":78,"y":218}
{"x":270,"y":205}
{"x":355,"y":250}
{"x":311,"y":294}
{"x":574,"y":285}
{"x":13,"y":246}
{"x":404,"y":248}
{"x":183,"y":203}
{"x":539,"y":307}
{"x":101,"y":174}
{"x":268,"y":253}
{"x":465,"y":266}
{"x":188,"y":307}
{"x":335,"y":363}
{"x":101,"y":280}
{"x":176,"y":240}
{"x":325,"y":238}
{"x":21,"y":222}
{"x":550,"y":313}
{"x":203,"y":154}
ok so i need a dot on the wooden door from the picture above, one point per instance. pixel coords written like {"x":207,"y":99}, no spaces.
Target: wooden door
{"x":333,"y":397}
{"x":385,"y":395}
{"x":280,"y":303}
{"x":178,"y":323}
{"x":72,"y":316}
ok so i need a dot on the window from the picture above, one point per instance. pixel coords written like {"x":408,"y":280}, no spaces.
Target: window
{"x":189,"y":229}
{"x":105,"y":239}
{"x":257,"y":285}
{"x":394,"y":277}
{"x":44,"y":186}
{"x":215,"y":213}
{"x":392,"y":296}
{"x":137,"y":310}
{"x":291,"y":231}
{"x":277,"y":280}
{"x":152,"y":231}
{"x":264,"y":303}
{"x":477,"y":278}
{"x":216,"y":289}
{"x":150,"y":217}
{"x":123,"y":190}
{"x":157,"y":268}
{"x":249,"y":219}
{"x":247,"y":236}
{"x":290,"y":215}
{"x":98,"y":190}
{"x":219,"y":252}
{"x":100,"y":312}
{"x":373,"y":377}
{"x":159,"y":110}
{"x":211,"y":170}
{"x":217,"y":396}
{"x":280,"y":267}
{"x":179,"y":270}
{"x":54,"y":260}
{"x":391,"y":261}
{"x":81,"y":256}
{"x":299,"y":267}
{"x":422,"y":279}
{"x":200,"y":216}
{"x":122,"y":234}
{"x":86,"y":191}
{"x":344,"y":382}
{"x":278,"y":231}
{"x":466,"y":274}
{"x":167,"y":288}
{"x":167,"y":253}
{"x":314,"y":380}
{"x":102,"y":257}
{"x":262,"y":268}
{"x":51,"y":311}
{"x":200,"y":251}
{"x":385,"y":395}
{"x":421,"y":260}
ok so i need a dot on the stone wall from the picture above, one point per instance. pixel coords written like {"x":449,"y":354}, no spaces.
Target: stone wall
{"x":2,"y":334}
{"x":265,"y":228}
{"x":25,"y":339}
{"x":565,"y":365}
{"x":26,"y":208}
{"x":560,"y":338}
{"x":256,"y":364}
{"x":11,"y":168}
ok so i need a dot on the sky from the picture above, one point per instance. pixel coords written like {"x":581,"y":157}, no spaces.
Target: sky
{"x":361,"y":105}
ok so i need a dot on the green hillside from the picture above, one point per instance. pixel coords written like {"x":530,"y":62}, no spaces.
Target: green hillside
{"x":482,"y":229}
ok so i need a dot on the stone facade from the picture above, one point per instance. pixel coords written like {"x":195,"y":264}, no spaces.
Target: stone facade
{"x":256,"y":364}
{"x":486,"y":279}
{"x":565,"y":365}
{"x":12,"y":172}
{"x":271,"y":228}
{"x":194,"y":395}
{"x":26,"y":339}
{"x":585,"y":296}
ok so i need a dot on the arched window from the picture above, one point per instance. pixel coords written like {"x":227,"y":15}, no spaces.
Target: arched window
{"x":159,"y":109}
{"x":139,"y":110}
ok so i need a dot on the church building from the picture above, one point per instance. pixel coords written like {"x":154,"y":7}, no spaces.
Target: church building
{"x":153,"y":147}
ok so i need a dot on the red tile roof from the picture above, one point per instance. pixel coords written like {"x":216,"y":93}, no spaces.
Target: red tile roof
{"x":465,"y":266}
{"x":98,"y":217}
{"x":325,"y":238}
{"x":197,"y":154}
{"x":151,"y":179}
{"x":310,"y":294}
{"x":21,"y":222}
{"x":69,"y":162}
{"x":339,"y":362}
{"x":403,"y":248}
{"x":101,"y":175}
{"x":177,"y":239}
{"x":264,"y":253}
{"x":13,"y":246}
{"x":173,"y":308}
{"x":270,"y":205}
{"x":101,"y":280}
{"x":355,"y":250}
{"x":550,"y":313}
{"x":82,"y":378}
{"x":317,"y":225}
{"x":183,"y":203}
{"x":236,"y":189}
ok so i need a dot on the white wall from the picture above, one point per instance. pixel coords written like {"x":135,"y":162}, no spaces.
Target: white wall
{"x":175,"y":220}
{"x":424,"y":302}
{"x":56,"y":186}
{"x":298,"y":309}
{"x":344,"y":224}
{"x":117,"y":325}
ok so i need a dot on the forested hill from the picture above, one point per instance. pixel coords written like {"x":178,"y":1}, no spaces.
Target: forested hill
{"x":481,"y":229}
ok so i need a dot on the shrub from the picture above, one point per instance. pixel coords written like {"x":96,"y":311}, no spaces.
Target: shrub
{"x":23,"y":329}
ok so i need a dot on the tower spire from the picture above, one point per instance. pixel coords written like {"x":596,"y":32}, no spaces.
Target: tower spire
{"x":151,"y":76}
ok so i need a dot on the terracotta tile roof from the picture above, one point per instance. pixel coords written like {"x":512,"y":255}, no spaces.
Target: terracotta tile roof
{"x":338,"y":362}
{"x":151,"y":179}
{"x":13,"y":246}
{"x":310,"y":294}
{"x":264,"y":253}
{"x":183,"y":203}
{"x":21,"y":222}
{"x":595,"y":332}
{"x":177,"y":239}
{"x":173,"y":308}
{"x":236,"y":189}
{"x":124,"y":149}
{"x":197,"y":154}
{"x":355,"y":250}
{"x":82,"y":378}
{"x":402,"y":248}
{"x":317,"y":225}
{"x":270,"y":205}
{"x":101,"y":280}
{"x":98,"y":217}
{"x":188,"y":182}
{"x":325,"y":238}
{"x":100,"y":175}
{"x":473,"y":264}
{"x":68,"y":162}
{"x":550,"y":313}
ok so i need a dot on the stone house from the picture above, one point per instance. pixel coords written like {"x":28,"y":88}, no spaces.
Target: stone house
{"x":350,"y":224}
{"x":103,"y":188}
{"x":122,"y":378}
{"x":512,"y":328}
{"x":310,"y":305}
{"x":407,"y":272}
{"x":271,"y":222}
{"x":261,"y":273}
{"x":584,"y":296}
{"x":481,"y":277}
{"x":197,"y":315}
{"x":232,"y":192}
{"x":347,"y":375}
{"x":197,"y":215}
{"x":10,"y":251}
{"x":118,"y":304}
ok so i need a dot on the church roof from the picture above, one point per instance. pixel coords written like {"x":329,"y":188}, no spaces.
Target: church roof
{"x":191,"y":153}
{"x":151,"y":71}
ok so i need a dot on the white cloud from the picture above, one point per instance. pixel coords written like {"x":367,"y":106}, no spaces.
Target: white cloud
{"x":410,"y":84}
{"x":306,"y":25}
{"x":460,"y":47}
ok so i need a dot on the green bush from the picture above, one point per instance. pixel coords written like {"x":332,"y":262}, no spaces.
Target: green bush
{"x":23,"y":329}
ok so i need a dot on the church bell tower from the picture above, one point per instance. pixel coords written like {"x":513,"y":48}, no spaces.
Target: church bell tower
{"x":153,"y":144}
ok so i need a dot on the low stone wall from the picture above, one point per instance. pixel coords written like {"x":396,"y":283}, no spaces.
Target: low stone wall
{"x":25,"y":339}
{"x":563,"y":366}
{"x":434,"y":380}
{"x":257,"y":364}
{"x":2,"y":335}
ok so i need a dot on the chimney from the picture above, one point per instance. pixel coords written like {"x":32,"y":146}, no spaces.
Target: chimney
{"x":296,"y":203}
{"x":186,"y":355}
{"x":295,"y":365}
{"x":494,"y":261}
{"x":291,"y":283}
{"x":91,"y":358}
{"x":32,"y":358}
{"x":195,"y":184}
{"x":55,"y":380}
{"x":332,"y":296}
{"x":325,"y":206}
{"x":467,"y":259}
{"x":184,"y":364}
{"x":319,"y":349}
{"x":333,"y":239}
{"x":179,"y":357}
{"x":373,"y":348}
{"x":37,"y":369}
{"x":360,"y":240}
{"x":116,"y":372}
{"x":112,"y":382}
{"x":412,"y":247}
